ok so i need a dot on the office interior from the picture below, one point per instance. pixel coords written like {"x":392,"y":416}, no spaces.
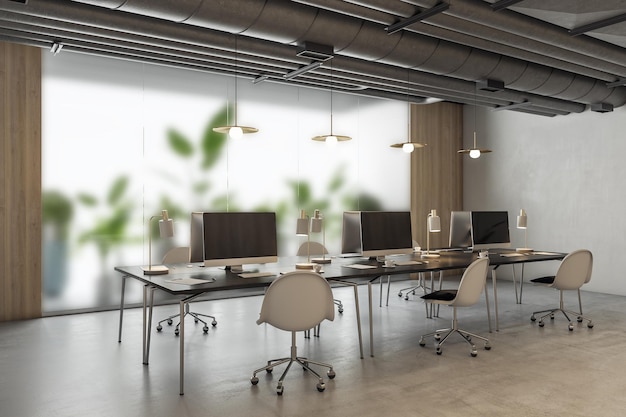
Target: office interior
{"x":563,"y":168}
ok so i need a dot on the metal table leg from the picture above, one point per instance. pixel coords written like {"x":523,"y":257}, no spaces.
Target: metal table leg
{"x":182,"y":346}
{"x":124,"y":278}
{"x":357,"y":310}
{"x":495,"y":297}
{"x":149,"y":328}
{"x":369,"y":293}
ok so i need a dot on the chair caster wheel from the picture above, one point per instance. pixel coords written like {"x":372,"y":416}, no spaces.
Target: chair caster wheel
{"x":195,"y":321}
{"x":533,"y":318}
{"x":159,"y":328}
{"x":422,"y":343}
{"x":176,"y":332}
{"x":570,"y":327}
{"x":321,"y":387}
{"x":331,"y":374}
{"x":213,"y":323}
{"x":280,"y":389}
{"x":269,"y":370}
{"x":254,"y":380}
{"x":474,"y":353}
{"x":437,"y":336}
{"x":406,"y":297}
{"x":438,"y":351}
{"x":169,"y":322}
{"x":340,"y":310}
{"x":590,"y":325}
{"x":579,"y":319}
{"x":551,"y":316}
{"x":205,"y":329}
{"x":487,"y":347}
{"x":540,"y":323}
{"x":400,"y":294}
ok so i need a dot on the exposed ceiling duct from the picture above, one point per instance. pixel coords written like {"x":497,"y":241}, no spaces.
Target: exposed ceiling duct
{"x":538,"y":67}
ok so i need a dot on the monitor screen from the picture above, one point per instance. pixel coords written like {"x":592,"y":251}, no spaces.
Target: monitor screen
{"x":386,"y":233}
{"x":235,"y":239}
{"x":490,"y":229}
{"x":460,"y":230}
{"x":351,"y":233}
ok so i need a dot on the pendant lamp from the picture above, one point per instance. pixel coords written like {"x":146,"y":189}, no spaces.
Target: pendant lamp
{"x":235,"y":131}
{"x":475,"y":151}
{"x":409,"y":146}
{"x":331,"y":139}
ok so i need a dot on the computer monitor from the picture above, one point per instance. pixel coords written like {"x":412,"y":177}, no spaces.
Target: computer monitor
{"x":490,"y":229}
{"x":351,"y":233}
{"x":386,"y":233}
{"x":234,"y":239}
{"x":460,"y":230}
{"x":196,"y":237}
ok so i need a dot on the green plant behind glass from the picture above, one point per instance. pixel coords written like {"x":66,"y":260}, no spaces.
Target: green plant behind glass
{"x":210,"y":148}
{"x":56,"y":213}
{"x":110,"y":229}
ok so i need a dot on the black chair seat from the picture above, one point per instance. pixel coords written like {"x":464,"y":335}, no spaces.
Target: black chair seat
{"x":543,"y":280}
{"x":442,"y":295}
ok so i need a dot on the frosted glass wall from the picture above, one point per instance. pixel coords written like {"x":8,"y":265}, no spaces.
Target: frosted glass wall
{"x":123,"y":140}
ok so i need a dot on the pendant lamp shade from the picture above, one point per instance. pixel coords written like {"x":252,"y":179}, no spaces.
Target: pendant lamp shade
{"x":475,"y":151}
{"x":235,"y":131}
{"x":410,"y":146}
{"x":331,"y":139}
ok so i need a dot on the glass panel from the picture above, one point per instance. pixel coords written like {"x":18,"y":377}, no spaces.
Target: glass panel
{"x":124,"y":140}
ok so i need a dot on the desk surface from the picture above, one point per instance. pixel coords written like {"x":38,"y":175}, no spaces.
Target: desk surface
{"x":339,"y":269}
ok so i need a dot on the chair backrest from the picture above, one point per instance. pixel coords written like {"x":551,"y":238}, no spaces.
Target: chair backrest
{"x":574,"y":270}
{"x":314,"y":248}
{"x":297,"y":301}
{"x":472,"y":283}
{"x":177,"y":255}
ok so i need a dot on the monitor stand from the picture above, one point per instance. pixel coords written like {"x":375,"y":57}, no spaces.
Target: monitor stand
{"x":235,"y":269}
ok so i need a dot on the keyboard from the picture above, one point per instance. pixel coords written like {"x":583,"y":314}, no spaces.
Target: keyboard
{"x":256,"y":274}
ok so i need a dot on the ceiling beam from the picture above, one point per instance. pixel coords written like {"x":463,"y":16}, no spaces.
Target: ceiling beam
{"x":597,"y":25}
{"x":503,"y":4}
{"x":436,"y":9}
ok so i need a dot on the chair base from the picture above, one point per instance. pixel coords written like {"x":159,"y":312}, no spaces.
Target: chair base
{"x":550,"y":313}
{"x":196,"y":318}
{"x":304,"y":362}
{"x":467,"y":336}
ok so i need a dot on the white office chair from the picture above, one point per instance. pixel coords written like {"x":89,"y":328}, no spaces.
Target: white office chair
{"x":574,"y":271}
{"x":177,"y":256}
{"x":468,"y":293}
{"x":317,"y":249}
{"x":295,"y":302}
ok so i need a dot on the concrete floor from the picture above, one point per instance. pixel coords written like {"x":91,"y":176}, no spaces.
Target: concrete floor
{"x":74,"y":366}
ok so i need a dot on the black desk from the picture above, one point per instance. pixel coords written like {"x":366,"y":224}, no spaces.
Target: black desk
{"x":338,"y":271}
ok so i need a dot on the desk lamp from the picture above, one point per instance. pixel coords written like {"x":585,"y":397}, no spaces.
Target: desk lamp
{"x":433,"y":225}
{"x":303,"y":228}
{"x":522,"y":223}
{"x":317,"y":226}
{"x":166,"y":229}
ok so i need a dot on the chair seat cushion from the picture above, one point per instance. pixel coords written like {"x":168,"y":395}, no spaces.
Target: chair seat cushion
{"x":543,"y":280}
{"x":442,"y":295}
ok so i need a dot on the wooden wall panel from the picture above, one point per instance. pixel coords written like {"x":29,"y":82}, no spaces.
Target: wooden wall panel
{"x":20,"y":174}
{"x":437,"y":169}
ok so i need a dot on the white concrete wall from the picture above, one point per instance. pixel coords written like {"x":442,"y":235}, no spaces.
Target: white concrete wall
{"x":567,"y":172}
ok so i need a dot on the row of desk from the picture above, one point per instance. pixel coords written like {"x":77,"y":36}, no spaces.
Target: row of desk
{"x":344,"y":271}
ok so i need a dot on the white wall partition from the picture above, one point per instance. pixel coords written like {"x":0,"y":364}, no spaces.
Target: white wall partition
{"x":107,"y":155}
{"x":567,"y":172}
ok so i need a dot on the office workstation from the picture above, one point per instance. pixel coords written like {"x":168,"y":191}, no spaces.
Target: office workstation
{"x":239,"y":251}
{"x":98,"y":138}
